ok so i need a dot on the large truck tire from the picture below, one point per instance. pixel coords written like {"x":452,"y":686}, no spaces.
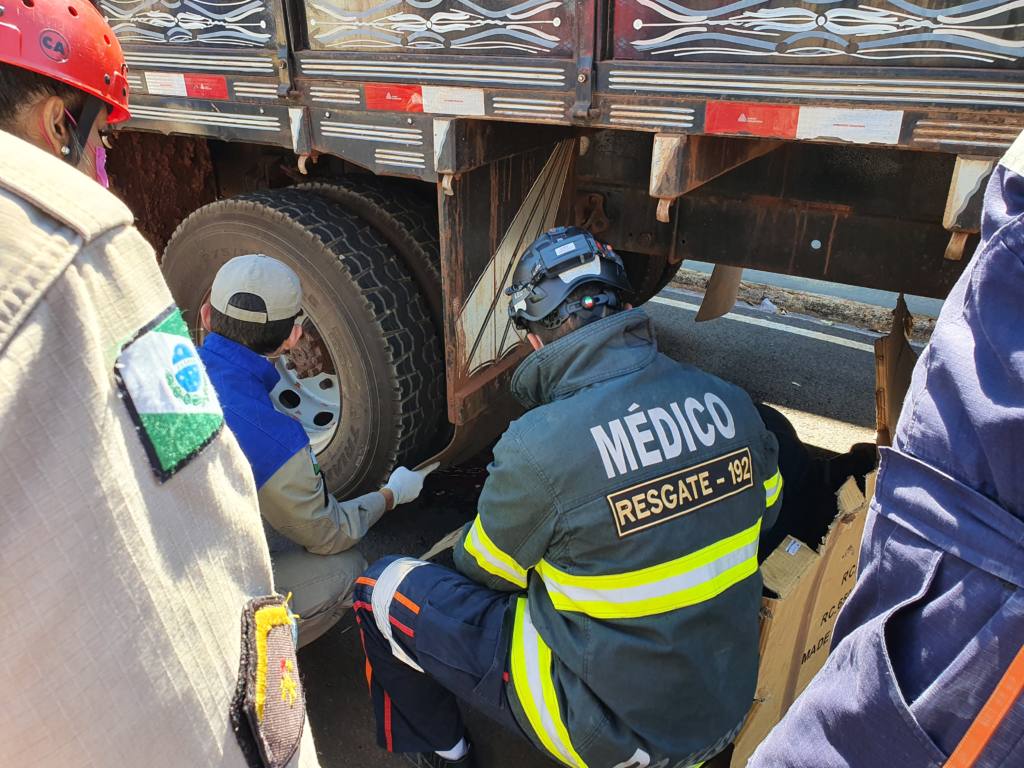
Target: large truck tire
{"x":371,"y":330}
{"x":405,"y":219}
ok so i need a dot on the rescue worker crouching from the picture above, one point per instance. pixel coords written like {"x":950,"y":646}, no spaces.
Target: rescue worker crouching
{"x":254,"y":313}
{"x":608,"y":595}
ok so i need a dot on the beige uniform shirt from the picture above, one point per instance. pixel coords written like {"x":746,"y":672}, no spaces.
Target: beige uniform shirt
{"x":127,"y":549}
{"x":295,"y":503}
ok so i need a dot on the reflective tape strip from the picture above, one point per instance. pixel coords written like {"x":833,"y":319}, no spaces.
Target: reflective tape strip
{"x":661,"y":588}
{"x":489,"y":557}
{"x":384,"y":591}
{"x":772,"y":489}
{"x":531,"y":678}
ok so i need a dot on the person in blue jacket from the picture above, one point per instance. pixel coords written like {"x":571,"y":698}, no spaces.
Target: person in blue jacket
{"x":254,"y":314}
{"x":937,"y":615}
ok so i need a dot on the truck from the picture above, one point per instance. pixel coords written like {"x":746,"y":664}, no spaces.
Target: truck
{"x":400,"y":155}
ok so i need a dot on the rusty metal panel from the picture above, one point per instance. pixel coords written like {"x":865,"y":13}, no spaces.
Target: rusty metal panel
{"x":494,"y":213}
{"x":269,"y":125}
{"x":826,"y":242}
{"x":388,"y":144}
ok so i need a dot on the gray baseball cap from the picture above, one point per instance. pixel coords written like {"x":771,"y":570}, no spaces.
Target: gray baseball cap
{"x":256,"y":289}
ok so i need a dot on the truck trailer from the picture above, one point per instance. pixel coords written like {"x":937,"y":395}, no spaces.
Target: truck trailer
{"x":400,"y":155}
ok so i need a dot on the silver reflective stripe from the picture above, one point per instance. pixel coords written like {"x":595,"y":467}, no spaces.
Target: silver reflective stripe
{"x":383,"y":593}
{"x":640,"y":759}
{"x":537,"y":658}
{"x":664,"y":588}
{"x":772,"y":487}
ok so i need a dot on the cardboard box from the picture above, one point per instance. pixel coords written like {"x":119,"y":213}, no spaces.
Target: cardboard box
{"x":808,"y":588}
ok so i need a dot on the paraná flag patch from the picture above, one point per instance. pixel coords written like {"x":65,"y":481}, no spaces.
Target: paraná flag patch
{"x":168,"y":393}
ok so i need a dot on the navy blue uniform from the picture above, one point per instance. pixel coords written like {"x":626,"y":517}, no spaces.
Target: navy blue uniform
{"x":938,"y":612}
{"x":612,"y":567}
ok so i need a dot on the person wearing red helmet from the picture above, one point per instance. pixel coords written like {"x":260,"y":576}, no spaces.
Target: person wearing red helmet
{"x":142,"y":623}
{"x":63,"y":79}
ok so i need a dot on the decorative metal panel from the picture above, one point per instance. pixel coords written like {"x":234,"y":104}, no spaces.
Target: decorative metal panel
{"x":209,"y":23}
{"x":495,"y":27}
{"x":887,"y":32}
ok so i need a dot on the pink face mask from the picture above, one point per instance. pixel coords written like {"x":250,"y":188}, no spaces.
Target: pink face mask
{"x":101,"y":167}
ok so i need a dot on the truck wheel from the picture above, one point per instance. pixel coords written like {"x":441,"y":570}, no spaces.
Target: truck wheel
{"x":406,"y":220}
{"x":647,"y":274}
{"x":358,"y":382}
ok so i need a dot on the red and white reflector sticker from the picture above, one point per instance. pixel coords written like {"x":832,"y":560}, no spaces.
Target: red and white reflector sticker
{"x":778,"y":121}
{"x":393,"y":98}
{"x":769,"y":120}
{"x":436,"y":100}
{"x":206,"y":86}
{"x":186,"y":86}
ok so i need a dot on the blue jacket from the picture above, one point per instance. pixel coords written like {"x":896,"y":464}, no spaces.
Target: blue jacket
{"x":938,"y":611}
{"x":244,"y":380}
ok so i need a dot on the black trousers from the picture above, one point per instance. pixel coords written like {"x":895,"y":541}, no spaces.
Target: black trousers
{"x":809,"y":500}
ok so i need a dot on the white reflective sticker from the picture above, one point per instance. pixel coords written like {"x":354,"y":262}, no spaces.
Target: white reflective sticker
{"x":565,"y":248}
{"x":165,"y":84}
{"x":440,"y":100}
{"x":592,"y":267}
{"x":861,"y":126}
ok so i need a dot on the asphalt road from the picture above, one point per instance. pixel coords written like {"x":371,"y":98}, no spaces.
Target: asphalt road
{"x":821,"y":376}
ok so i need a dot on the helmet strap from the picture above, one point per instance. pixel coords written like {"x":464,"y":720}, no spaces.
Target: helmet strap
{"x":588,"y":304}
{"x":81,"y":128}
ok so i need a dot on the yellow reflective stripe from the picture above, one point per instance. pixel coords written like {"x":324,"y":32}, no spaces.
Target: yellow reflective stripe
{"x":678,"y":583}
{"x":654,"y":573}
{"x":531,"y":679}
{"x":489,"y":557}
{"x":772,"y":489}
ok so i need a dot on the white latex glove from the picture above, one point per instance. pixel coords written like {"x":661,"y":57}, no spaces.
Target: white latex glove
{"x":406,"y":484}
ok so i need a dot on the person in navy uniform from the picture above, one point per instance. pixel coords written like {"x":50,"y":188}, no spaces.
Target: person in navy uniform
{"x":606,"y":597}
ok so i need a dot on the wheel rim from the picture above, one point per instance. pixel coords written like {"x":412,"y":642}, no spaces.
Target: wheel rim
{"x":309,"y":390}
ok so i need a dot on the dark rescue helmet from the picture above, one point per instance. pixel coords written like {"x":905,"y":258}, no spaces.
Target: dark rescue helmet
{"x":555,"y":264}
{"x":70,"y":42}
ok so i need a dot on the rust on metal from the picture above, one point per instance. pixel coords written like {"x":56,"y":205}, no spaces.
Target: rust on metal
{"x":309,"y":357}
{"x":681,"y":164}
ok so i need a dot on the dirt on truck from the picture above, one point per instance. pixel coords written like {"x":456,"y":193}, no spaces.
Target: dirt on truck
{"x":400,"y":155}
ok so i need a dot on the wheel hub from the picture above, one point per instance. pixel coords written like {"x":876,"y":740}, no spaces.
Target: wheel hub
{"x":309,"y":390}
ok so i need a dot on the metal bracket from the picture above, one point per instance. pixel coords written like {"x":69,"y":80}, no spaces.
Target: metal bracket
{"x":585,"y":35}
{"x":966,"y":193}
{"x":582,"y":109}
{"x":681,"y":164}
{"x":590,"y":213}
{"x":957,"y":245}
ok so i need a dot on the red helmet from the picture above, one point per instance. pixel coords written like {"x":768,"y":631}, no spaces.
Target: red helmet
{"x":68,"y":41}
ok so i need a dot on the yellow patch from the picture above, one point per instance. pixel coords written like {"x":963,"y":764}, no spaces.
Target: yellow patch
{"x":288,"y":686}
{"x":266,"y":619}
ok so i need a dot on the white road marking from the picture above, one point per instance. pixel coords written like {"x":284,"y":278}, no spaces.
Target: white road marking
{"x":796,"y":331}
